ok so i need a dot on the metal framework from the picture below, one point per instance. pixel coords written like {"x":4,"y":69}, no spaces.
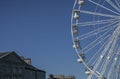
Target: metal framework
{"x":95,"y":29}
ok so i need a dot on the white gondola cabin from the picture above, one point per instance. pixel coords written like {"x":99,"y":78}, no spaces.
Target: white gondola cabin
{"x":80,"y":60}
{"x":76,"y":14}
{"x":75,"y":29}
{"x":80,"y":2}
{"x":87,"y":72}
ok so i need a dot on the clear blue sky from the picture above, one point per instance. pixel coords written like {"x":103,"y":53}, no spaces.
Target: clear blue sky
{"x":40,"y":30}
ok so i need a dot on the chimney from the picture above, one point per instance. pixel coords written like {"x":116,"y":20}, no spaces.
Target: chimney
{"x":27,"y":60}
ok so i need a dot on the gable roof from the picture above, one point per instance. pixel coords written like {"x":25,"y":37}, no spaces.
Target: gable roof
{"x":27,"y":66}
{"x":4,"y":54}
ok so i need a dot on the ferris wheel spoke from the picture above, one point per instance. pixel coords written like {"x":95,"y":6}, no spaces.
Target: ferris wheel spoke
{"x":91,"y":34}
{"x":96,"y":22}
{"x":103,"y":53}
{"x":118,"y":69}
{"x":96,"y":42}
{"x":97,"y":61}
{"x":117,"y":73}
{"x":102,"y":29}
{"x":102,"y":36}
{"x":114,"y":62}
{"x":111,"y":69}
{"x":117,"y":2}
{"x":106,"y":63}
{"x":103,"y":7}
{"x":110,"y":53}
{"x":97,"y":54}
{"x":113,"y":5}
{"x":99,"y":14}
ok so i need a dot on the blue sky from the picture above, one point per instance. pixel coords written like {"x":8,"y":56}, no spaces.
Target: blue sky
{"x":40,"y":30}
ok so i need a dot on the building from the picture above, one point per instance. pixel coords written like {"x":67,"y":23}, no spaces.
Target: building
{"x":51,"y":76}
{"x":13,"y":66}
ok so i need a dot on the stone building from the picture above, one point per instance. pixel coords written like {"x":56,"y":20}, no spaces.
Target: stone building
{"x":13,"y":66}
{"x":51,"y":76}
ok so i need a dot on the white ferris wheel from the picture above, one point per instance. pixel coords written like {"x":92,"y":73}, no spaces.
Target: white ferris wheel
{"x":95,"y":29}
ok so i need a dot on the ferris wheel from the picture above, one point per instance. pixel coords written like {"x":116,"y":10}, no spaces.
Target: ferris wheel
{"x":95,"y":29}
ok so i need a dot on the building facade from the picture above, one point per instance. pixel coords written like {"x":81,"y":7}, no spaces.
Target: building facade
{"x":51,"y":76}
{"x":13,"y":66}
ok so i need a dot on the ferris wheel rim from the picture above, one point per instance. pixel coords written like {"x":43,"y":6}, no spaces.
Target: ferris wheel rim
{"x":74,"y":43}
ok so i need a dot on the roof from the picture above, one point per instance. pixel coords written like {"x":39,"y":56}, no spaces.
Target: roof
{"x":27,"y":66}
{"x":4,"y":54}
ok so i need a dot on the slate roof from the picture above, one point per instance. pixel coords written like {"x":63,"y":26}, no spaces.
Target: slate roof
{"x":33,"y":68}
{"x":4,"y":54}
{"x":27,"y":66}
